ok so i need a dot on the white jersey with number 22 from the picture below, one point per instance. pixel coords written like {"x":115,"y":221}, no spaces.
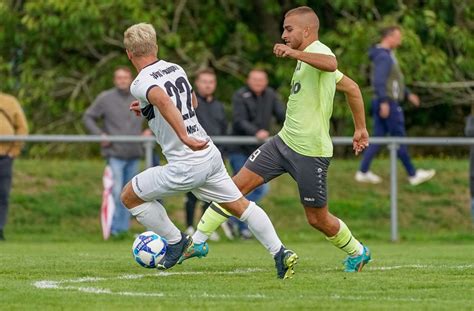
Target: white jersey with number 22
{"x":172,"y":79}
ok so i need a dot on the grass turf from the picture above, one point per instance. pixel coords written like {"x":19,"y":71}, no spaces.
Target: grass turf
{"x":53,"y":234}
{"x":235,"y":276}
{"x":60,"y":199}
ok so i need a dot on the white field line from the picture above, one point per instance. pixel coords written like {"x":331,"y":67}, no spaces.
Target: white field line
{"x":413,"y":266}
{"x":62,"y":284}
{"x":419,"y":266}
{"x":385,"y":298}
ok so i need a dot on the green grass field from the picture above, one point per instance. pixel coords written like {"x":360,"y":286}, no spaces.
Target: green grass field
{"x":235,"y":276}
{"x":54,"y":257}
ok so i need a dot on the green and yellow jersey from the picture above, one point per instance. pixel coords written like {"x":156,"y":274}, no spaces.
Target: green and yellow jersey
{"x":309,"y":107}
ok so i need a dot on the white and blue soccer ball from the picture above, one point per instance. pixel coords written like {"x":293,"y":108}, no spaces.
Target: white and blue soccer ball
{"x":148,"y":249}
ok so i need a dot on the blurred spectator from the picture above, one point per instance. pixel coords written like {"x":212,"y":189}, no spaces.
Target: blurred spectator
{"x":12,"y":122}
{"x":211,"y":115}
{"x":470,"y":133}
{"x":254,"y":105}
{"x":389,"y":88}
{"x":111,"y":108}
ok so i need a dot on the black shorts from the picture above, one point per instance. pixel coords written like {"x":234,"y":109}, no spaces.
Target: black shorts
{"x":275,"y":158}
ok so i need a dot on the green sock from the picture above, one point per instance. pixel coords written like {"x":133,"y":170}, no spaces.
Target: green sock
{"x":212,"y":218}
{"x":346,"y":241}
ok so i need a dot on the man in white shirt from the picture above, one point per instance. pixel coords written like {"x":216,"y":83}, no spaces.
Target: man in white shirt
{"x":166,"y":99}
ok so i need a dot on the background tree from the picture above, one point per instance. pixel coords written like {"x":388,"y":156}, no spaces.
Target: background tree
{"x":56,"y":55}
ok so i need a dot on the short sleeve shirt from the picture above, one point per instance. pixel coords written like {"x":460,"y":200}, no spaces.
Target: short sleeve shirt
{"x":309,"y":107}
{"x":174,"y":81}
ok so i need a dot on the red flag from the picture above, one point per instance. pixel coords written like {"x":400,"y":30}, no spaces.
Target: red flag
{"x":108,"y":205}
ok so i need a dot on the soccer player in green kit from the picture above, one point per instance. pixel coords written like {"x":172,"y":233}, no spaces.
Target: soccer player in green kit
{"x":303,"y":147}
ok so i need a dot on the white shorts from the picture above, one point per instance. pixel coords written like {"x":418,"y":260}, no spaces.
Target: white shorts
{"x":207,"y":180}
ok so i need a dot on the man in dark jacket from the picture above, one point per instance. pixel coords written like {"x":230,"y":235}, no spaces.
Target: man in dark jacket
{"x":111,"y":107}
{"x":389,"y":88}
{"x":253,"y":105}
{"x":211,"y":115}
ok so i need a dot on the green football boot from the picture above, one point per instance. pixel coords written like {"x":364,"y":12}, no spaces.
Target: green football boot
{"x":197,"y":250}
{"x":356,"y":263}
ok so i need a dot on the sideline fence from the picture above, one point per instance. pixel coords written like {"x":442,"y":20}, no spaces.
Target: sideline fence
{"x":149,"y":142}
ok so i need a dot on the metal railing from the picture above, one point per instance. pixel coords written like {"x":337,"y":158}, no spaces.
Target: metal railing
{"x":393,"y":144}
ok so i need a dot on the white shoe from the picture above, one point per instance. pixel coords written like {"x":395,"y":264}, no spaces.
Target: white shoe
{"x":421,"y":176}
{"x":214,"y":237}
{"x":368,"y":177}
{"x":189,"y":230}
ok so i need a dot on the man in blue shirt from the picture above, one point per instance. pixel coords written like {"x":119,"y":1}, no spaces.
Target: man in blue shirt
{"x":389,"y":88}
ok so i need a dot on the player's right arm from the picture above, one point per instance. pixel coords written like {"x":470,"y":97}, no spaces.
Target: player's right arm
{"x":356,"y":104}
{"x":157,"y":97}
{"x":323,"y":62}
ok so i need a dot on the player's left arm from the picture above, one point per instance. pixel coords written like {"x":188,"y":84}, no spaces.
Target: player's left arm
{"x":356,"y":104}
{"x":319,"y":61}
{"x":157,"y":97}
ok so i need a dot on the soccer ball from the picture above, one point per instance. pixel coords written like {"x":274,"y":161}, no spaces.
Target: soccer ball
{"x":148,"y":249}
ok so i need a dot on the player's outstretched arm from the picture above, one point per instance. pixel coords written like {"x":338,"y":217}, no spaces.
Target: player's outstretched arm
{"x":319,"y":61}
{"x":356,"y":103}
{"x":157,"y":97}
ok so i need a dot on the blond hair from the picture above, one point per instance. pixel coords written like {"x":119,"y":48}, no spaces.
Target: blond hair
{"x":140,"y":40}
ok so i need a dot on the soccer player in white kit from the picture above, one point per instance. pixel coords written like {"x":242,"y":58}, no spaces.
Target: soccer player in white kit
{"x":165,"y":97}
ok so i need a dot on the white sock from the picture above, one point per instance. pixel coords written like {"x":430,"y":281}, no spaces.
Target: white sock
{"x":360,"y":250}
{"x":262,"y":228}
{"x":154,"y":217}
{"x":199,"y":237}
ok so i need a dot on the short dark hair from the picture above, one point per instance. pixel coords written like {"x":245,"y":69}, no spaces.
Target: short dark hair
{"x":202,"y":71}
{"x":124,"y":68}
{"x":302,"y":10}
{"x":387,"y":31}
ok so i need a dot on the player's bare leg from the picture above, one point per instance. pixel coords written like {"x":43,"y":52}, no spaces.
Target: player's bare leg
{"x":247,"y":181}
{"x":129,"y":198}
{"x":153,"y":216}
{"x":339,"y":235}
{"x":320,"y":219}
